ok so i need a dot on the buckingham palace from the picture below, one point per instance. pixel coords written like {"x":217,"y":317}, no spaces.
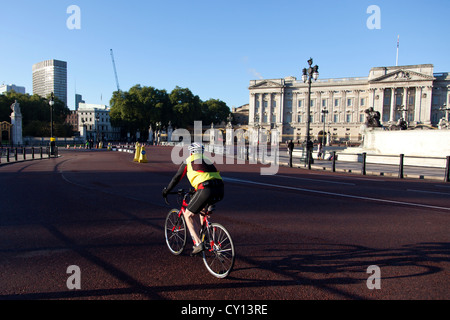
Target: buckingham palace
{"x":338,"y":106}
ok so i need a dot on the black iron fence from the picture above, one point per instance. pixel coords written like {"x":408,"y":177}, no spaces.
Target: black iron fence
{"x":13,"y":154}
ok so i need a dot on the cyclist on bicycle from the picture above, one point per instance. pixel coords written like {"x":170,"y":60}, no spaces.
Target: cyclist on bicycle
{"x":208,"y":184}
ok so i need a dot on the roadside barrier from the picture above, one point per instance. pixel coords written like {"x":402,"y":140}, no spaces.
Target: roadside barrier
{"x":137,"y":153}
{"x":15,"y":154}
{"x":143,"y":156}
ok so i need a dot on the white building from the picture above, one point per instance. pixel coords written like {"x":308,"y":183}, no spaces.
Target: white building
{"x":50,"y":76}
{"x":94,"y":123}
{"x":4,"y":88}
{"x":414,"y":93}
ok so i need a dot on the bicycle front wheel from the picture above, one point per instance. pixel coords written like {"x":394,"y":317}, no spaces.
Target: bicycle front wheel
{"x":175,"y":232}
{"x":218,"y":255}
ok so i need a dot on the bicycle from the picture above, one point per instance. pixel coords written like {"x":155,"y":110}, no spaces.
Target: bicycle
{"x":219,"y":253}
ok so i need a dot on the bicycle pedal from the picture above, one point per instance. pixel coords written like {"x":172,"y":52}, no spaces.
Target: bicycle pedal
{"x":199,"y":250}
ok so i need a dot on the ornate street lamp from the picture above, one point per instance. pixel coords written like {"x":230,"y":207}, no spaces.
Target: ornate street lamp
{"x":256,"y":125}
{"x":51,"y":103}
{"x":308,"y":75}
{"x":97,"y":118}
{"x":52,"y":140}
{"x":324,"y":117}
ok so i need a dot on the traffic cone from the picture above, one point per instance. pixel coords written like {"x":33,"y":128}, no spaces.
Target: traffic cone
{"x":137,"y":154}
{"x":143,"y":156}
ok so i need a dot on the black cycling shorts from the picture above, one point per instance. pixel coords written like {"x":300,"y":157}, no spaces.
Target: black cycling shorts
{"x":212,"y":192}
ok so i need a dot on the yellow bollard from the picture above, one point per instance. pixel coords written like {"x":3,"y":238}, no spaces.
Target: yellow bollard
{"x":137,"y":154}
{"x":143,"y":156}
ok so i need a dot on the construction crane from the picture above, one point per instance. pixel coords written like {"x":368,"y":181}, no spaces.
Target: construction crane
{"x":115,"y":71}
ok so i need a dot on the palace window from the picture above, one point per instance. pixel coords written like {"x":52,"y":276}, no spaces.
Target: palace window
{"x":336,"y":118}
{"x":361,"y":117}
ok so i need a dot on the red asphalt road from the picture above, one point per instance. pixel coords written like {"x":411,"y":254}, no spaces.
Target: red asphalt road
{"x":298,"y":235}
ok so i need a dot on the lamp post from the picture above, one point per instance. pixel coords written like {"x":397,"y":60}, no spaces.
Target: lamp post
{"x":257,"y":126}
{"x":51,"y":103}
{"x":52,"y":140}
{"x":97,"y":118}
{"x":324,"y":117}
{"x":308,"y":75}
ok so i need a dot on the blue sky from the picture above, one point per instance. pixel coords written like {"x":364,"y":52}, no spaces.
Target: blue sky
{"x":215,"y":48}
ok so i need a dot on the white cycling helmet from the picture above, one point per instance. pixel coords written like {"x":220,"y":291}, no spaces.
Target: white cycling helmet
{"x":196,"y":148}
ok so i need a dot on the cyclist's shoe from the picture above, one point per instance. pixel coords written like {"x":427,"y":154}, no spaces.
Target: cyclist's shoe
{"x":197,"y":249}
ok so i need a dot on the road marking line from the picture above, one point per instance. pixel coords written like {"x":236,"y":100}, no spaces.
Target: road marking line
{"x":317,"y":180}
{"x":336,"y":194}
{"x":441,"y":186}
{"x":432,"y":192}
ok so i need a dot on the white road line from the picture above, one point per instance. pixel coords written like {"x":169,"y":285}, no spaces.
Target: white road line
{"x":432,"y":192}
{"x":336,"y":194}
{"x":441,"y":186}
{"x":317,"y":180}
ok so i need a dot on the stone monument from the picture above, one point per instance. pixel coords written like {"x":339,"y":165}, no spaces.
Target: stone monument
{"x":169,"y":132}
{"x":373,"y":118}
{"x":150,"y":135}
{"x":16,"y":122}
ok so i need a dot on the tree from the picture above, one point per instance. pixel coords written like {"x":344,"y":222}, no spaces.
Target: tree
{"x":215,"y":111}
{"x":186,"y":106}
{"x":36,"y":113}
{"x":139,"y":107}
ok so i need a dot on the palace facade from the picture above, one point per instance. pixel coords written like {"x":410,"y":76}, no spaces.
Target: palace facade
{"x":413,"y":93}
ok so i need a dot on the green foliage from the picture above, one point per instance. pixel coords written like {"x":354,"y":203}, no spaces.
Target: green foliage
{"x":36,"y":113}
{"x":215,"y":111}
{"x":139,"y":107}
{"x":187,"y":107}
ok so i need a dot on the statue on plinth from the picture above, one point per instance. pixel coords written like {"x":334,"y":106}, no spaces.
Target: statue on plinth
{"x":373,"y":118}
{"x":16,"y":122}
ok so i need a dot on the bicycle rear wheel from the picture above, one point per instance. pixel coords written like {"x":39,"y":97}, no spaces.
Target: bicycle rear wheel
{"x":218,"y":255}
{"x":175,"y":232}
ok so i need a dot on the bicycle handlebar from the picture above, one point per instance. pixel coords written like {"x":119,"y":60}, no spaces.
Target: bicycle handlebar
{"x":179,"y":192}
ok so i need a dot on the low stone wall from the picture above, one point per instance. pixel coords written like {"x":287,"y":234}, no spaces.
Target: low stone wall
{"x":427,"y":148}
